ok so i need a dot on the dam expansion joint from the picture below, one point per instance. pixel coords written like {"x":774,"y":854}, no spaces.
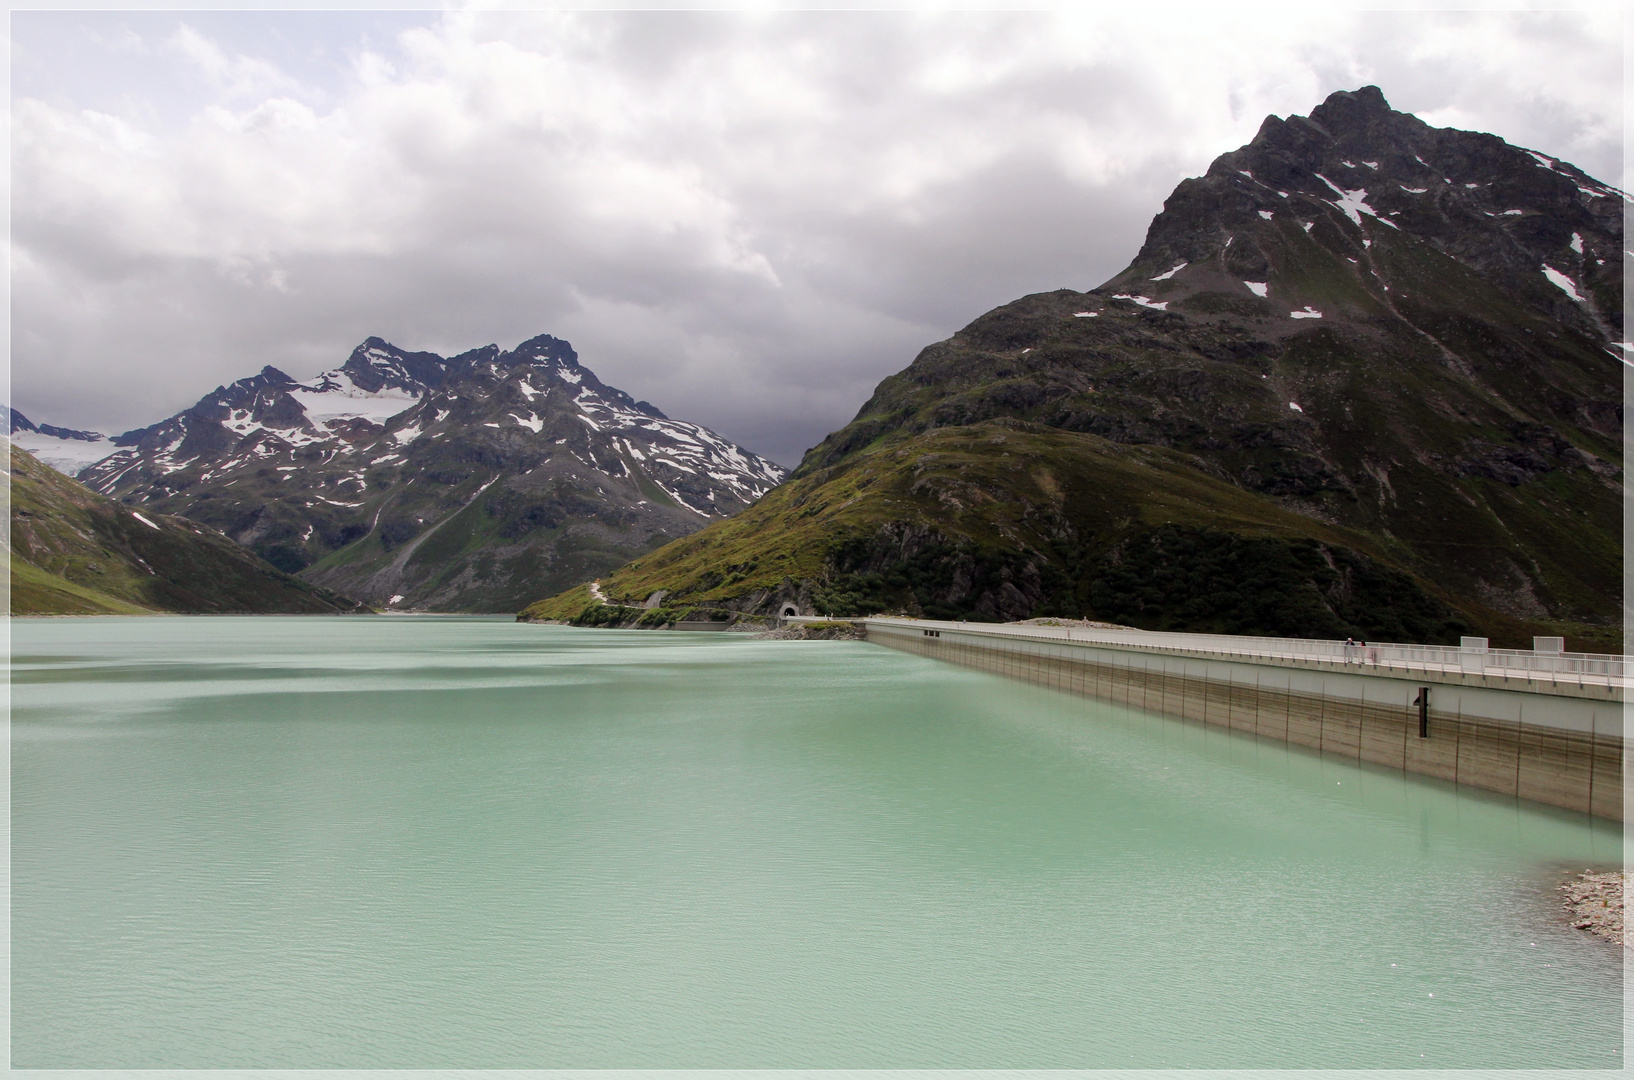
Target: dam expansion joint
{"x":1561,"y":749}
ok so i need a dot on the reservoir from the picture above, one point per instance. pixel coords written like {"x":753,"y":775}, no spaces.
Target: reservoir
{"x":433,"y":842}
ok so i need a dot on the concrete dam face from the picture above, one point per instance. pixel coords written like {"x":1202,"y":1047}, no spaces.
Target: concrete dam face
{"x":1545,"y":726}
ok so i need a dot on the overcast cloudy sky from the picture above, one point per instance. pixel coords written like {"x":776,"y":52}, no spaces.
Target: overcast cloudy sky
{"x":748,"y":219}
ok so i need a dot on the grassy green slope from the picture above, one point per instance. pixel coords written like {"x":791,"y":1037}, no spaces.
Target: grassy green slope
{"x":77,"y":552}
{"x":35,"y":592}
{"x":932,"y":523}
{"x":1476,"y":459}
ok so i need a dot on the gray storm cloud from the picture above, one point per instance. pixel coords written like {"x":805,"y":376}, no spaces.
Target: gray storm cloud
{"x":748,"y":219}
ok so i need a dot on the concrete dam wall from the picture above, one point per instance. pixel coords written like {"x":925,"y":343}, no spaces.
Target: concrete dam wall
{"x":1549,"y":729}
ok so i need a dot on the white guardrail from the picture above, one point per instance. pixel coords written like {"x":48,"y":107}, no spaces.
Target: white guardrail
{"x":1545,"y":664}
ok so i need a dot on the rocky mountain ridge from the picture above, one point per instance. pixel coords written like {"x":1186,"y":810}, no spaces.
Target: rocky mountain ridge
{"x":412,"y":480}
{"x":1536,"y":228}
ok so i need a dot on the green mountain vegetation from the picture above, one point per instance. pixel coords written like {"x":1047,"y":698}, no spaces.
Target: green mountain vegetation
{"x":1358,"y":381}
{"x":74,"y":552}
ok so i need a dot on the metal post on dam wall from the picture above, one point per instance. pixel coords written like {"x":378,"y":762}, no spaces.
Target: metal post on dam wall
{"x":1543,"y":725}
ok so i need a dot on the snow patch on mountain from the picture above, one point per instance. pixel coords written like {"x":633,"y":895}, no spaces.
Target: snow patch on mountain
{"x":1562,"y":282}
{"x":334,"y":396}
{"x":1352,"y":202}
{"x":67,"y":456}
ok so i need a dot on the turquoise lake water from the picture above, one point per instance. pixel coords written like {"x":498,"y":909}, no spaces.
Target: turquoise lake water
{"x":430,"y":842}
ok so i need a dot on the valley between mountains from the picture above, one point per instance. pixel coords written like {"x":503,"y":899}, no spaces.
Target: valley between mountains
{"x":1363,"y":378}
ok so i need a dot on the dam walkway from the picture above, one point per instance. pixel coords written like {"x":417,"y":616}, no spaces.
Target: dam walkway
{"x":1544,"y":724}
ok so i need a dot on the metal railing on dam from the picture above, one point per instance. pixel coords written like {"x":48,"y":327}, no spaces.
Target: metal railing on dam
{"x":1545,"y":725}
{"x":1562,"y":668}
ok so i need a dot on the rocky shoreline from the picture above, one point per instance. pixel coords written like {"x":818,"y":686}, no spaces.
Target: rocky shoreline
{"x":1595,"y":903}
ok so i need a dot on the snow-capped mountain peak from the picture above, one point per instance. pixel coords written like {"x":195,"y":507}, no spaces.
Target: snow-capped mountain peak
{"x":393,"y":445}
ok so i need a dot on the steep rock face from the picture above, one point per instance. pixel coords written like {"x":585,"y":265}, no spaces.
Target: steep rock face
{"x":1537,"y":230}
{"x":76,"y":552}
{"x":1372,"y":326}
{"x":414,"y":481}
